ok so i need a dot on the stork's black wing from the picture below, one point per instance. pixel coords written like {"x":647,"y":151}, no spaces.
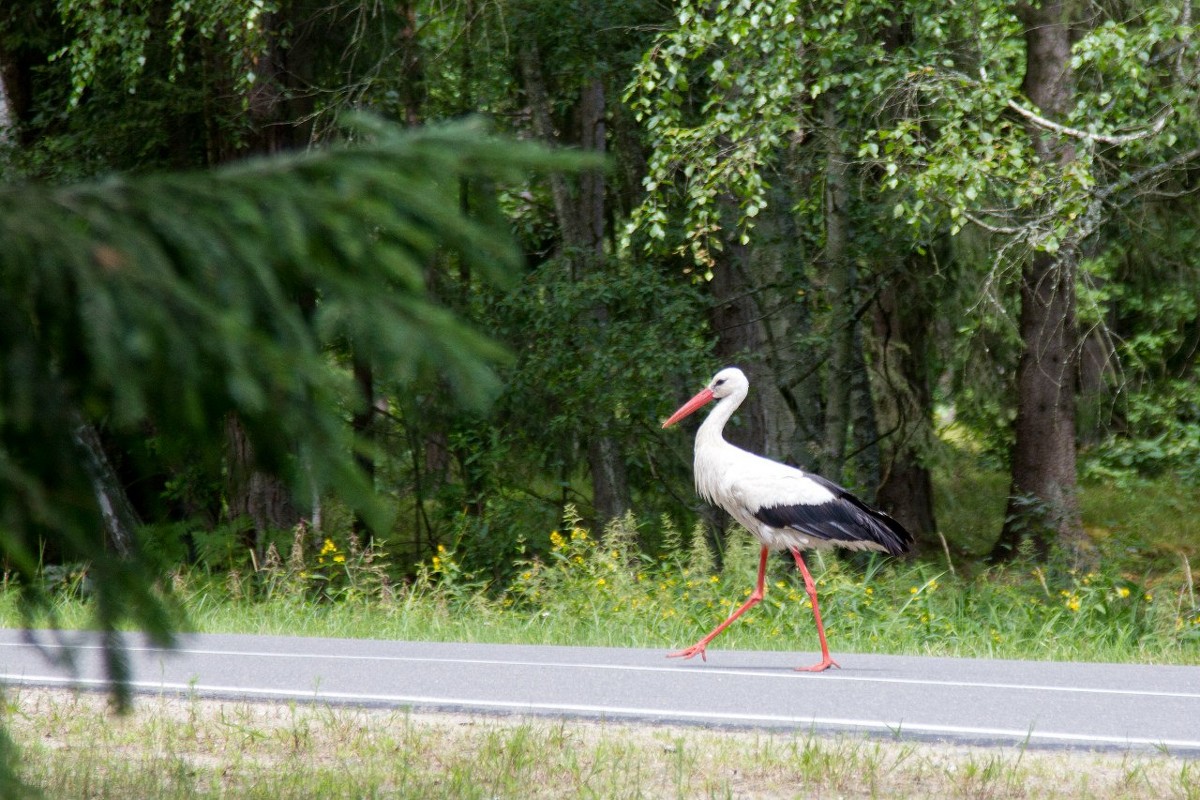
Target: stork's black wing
{"x":844,"y":519}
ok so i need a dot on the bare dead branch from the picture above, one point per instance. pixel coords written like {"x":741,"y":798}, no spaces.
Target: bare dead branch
{"x":1075,"y":133}
{"x":1002,"y":229}
{"x":1142,"y":176}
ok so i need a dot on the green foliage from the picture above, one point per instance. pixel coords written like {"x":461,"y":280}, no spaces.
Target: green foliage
{"x":717,"y":96}
{"x":932,"y":94}
{"x":957,"y":151}
{"x":118,"y":36}
{"x":731,"y":90}
{"x":1166,"y":444}
{"x":1142,"y":300}
{"x":169,"y":302}
{"x":316,"y":571}
{"x":575,"y":360}
{"x":586,"y":349}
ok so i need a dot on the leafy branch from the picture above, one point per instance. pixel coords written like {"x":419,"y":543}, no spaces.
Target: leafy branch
{"x":168,"y":302}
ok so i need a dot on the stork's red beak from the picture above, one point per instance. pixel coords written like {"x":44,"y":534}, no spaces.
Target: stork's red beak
{"x":705,"y":396}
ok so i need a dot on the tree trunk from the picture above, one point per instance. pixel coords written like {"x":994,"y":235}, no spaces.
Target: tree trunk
{"x":865,"y":457}
{"x":120,"y":519}
{"x":275,"y":107}
{"x":7,"y":77}
{"x":259,"y":497}
{"x":363,"y":424}
{"x":412,"y":65}
{"x":903,"y":316}
{"x":733,"y":316}
{"x":791,"y":399}
{"x":1097,"y":376}
{"x":582,"y":224}
{"x":760,"y":315}
{"x":17,"y":65}
{"x":1042,"y":506}
{"x":841,"y":279}
{"x":569,"y":224}
{"x":610,"y":481}
{"x":1043,"y":510}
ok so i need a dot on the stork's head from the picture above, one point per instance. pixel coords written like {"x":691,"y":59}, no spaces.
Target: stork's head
{"x":728,"y":381}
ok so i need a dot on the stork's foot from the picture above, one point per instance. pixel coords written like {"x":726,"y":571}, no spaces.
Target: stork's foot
{"x":825,"y":664}
{"x":689,"y":652}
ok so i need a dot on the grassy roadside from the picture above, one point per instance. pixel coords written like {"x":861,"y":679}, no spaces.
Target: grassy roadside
{"x":601,"y":588}
{"x":1139,"y":604}
{"x":189,"y":748}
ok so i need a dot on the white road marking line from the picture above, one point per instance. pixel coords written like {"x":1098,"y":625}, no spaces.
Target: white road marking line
{"x":708,"y":671}
{"x":898,"y":728}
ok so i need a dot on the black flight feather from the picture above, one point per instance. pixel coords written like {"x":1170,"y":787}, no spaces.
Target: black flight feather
{"x":845,"y":518}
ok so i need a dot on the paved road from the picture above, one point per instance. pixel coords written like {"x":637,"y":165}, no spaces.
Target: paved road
{"x":961,"y":700}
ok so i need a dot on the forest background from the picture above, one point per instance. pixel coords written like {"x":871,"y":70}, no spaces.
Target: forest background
{"x":946,"y":241}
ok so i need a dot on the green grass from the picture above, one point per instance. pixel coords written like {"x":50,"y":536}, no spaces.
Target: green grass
{"x":1139,"y":604}
{"x":588,"y":588}
{"x":189,"y":748}
{"x":622,"y":600}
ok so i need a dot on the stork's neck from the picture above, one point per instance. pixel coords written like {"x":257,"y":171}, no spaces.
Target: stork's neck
{"x":710,"y":432}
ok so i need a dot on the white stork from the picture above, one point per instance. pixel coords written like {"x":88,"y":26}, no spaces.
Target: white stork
{"x":784,"y":507}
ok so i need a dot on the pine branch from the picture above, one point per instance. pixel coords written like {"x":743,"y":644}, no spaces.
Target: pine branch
{"x":168,"y":302}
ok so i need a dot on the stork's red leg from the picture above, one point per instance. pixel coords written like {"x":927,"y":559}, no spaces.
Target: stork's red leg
{"x":811,"y":588}
{"x":755,"y":597}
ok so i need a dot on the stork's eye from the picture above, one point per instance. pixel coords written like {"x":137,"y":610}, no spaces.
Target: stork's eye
{"x":718,"y":383}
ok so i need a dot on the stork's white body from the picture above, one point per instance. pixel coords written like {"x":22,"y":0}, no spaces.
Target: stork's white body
{"x":784,"y":507}
{"x":742,"y":483}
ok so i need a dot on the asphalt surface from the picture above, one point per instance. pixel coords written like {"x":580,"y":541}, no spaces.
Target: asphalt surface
{"x":1039,"y":704}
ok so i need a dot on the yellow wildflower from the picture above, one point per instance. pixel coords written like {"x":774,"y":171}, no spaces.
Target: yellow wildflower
{"x":556,"y":540}
{"x":1123,"y":592}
